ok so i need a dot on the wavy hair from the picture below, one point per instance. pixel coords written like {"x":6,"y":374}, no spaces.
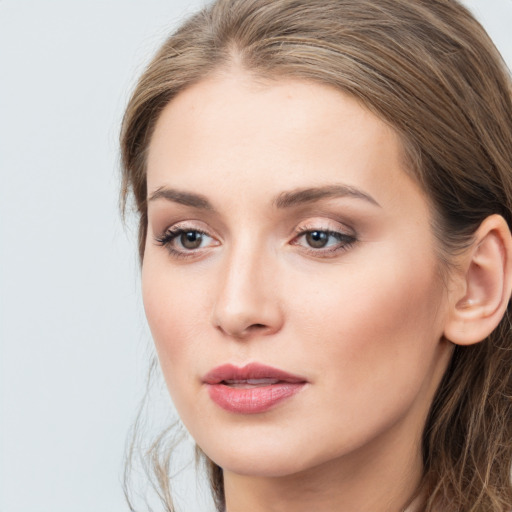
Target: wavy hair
{"x":428,"y":69}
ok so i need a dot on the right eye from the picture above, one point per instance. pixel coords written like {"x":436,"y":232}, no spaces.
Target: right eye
{"x":183,"y":241}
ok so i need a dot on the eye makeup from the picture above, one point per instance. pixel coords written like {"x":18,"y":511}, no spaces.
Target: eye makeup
{"x":323,"y":242}
{"x":317,"y":238}
{"x":182,"y":241}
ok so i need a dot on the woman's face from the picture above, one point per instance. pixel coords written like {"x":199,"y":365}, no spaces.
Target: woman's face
{"x":290,"y":277}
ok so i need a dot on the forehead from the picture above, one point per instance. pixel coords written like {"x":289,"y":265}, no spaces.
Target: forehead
{"x":232,"y":131}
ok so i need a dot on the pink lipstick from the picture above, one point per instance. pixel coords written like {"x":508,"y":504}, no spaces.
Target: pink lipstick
{"x":255,"y":388}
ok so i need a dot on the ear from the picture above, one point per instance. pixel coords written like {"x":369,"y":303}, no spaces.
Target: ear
{"x":479,"y":294}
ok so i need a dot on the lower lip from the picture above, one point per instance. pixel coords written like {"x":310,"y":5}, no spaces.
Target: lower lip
{"x":252,"y":400}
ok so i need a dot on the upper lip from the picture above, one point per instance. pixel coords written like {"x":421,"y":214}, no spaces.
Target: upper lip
{"x":230,"y":372}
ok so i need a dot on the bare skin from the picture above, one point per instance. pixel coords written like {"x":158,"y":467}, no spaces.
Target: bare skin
{"x":360,"y":318}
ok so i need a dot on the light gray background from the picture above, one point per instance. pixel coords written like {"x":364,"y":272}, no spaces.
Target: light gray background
{"x":73,"y":340}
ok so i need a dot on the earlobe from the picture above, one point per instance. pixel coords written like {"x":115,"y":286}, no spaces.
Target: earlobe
{"x":480,"y":298}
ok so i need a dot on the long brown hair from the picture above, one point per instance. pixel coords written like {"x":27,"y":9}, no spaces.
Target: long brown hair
{"x":428,"y":69}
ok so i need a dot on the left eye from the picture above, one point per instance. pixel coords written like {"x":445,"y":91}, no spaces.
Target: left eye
{"x":324,"y":239}
{"x":318,"y":239}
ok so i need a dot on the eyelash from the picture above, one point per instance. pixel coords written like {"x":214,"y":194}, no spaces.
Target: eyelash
{"x":173,"y":233}
{"x":344,"y":241}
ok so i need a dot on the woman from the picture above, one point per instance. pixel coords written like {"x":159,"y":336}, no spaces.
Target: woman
{"x":325,"y":194}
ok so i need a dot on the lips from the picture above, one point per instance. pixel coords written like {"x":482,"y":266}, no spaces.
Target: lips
{"x":252,"y":389}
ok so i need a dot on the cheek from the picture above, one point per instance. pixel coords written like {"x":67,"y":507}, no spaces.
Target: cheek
{"x":371,"y":342}
{"x":175,"y":309}
{"x":375,"y":326}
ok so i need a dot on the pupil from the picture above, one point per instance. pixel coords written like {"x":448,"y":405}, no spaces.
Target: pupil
{"x":191,"y":239}
{"x":317,"y":239}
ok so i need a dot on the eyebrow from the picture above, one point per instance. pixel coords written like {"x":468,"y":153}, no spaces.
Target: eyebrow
{"x":283,"y":200}
{"x":180,"y":197}
{"x":313,"y":194}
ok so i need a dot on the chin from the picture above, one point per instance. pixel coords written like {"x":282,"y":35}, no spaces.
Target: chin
{"x":264,"y":467}
{"x":264,"y":460}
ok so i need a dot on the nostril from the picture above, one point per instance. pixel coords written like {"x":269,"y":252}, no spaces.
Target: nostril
{"x":255,"y":327}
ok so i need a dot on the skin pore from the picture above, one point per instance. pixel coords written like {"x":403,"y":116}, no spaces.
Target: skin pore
{"x":284,"y":230}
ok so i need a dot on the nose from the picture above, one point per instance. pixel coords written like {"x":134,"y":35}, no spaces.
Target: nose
{"x":246,"y":303}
